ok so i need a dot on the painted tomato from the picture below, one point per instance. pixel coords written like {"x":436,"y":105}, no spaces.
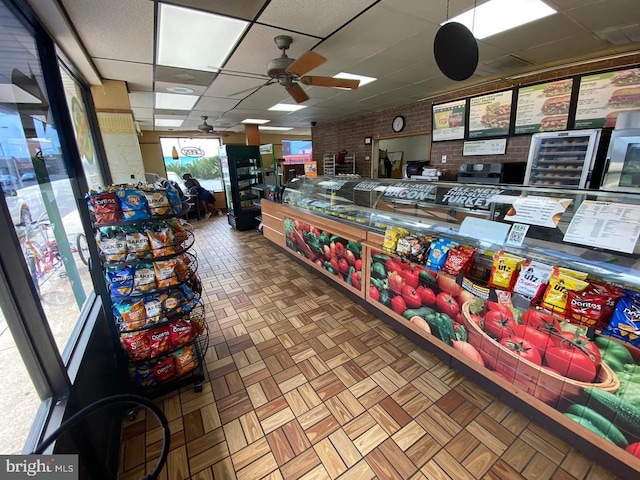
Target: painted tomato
{"x":522,"y":348}
{"x":411,"y":297}
{"x":539,"y":338}
{"x":411,"y":278}
{"x":355,"y":280}
{"x":398,"y":304}
{"x":358,"y":265}
{"x":427,"y":296}
{"x":498,"y":325}
{"x":540,"y":320}
{"x":572,"y":363}
{"x":335,"y":265}
{"x":390,"y":265}
{"x":448,"y":284}
{"x":445,"y":303}
{"x":343,"y":266}
{"x":340,"y":250}
{"x":497,"y":307}
{"x":396,"y":282}
{"x":634,"y":449}
{"x":571,"y":340}
{"x":374,"y":293}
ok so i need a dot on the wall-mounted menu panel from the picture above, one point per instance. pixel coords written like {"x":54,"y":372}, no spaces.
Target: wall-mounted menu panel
{"x":601,"y":97}
{"x":448,"y":120}
{"x":490,"y":115}
{"x":543,"y":107}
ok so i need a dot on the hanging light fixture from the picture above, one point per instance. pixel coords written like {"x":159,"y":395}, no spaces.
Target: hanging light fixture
{"x":456,"y":50}
{"x":174,"y":154}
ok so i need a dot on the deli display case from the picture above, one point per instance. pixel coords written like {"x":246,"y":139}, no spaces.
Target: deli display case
{"x":535,"y":292}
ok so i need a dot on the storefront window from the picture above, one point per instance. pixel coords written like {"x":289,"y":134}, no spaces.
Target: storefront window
{"x":197,"y":156}
{"x":41,"y":211}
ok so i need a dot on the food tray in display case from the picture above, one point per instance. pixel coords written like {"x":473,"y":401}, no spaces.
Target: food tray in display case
{"x":436,"y":260}
{"x":151,"y":289}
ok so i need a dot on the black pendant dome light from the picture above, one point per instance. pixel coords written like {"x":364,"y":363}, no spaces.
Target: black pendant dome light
{"x":456,"y":49}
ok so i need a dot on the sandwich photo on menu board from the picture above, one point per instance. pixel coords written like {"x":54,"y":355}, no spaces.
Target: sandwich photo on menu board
{"x":602,"y":97}
{"x":543,"y":107}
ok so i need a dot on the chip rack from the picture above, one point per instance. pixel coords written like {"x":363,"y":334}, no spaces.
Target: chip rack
{"x":178,"y":306}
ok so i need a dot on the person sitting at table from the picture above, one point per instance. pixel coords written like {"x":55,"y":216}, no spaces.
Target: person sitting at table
{"x":205,"y":197}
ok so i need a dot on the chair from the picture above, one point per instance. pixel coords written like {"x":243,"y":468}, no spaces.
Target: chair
{"x":193,"y":202}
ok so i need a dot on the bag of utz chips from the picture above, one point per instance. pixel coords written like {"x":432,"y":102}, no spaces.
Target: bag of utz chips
{"x":556,"y":295}
{"x":532,"y":279}
{"x":505,"y":270}
{"x":625,"y":322}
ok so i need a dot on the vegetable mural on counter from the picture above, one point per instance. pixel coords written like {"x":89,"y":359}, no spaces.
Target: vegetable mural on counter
{"x":337,"y":255}
{"x":543,"y":348}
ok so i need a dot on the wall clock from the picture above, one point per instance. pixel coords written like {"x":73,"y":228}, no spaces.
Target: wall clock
{"x":398,"y":124}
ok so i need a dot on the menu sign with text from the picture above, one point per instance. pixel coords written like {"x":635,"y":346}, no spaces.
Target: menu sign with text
{"x":601,"y":97}
{"x":490,"y":115}
{"x":535,"y":210}
{"x":448,"y":121}
{"x":543,"y":107}
{"x":470,"y":197}
{"x":612,"y":226}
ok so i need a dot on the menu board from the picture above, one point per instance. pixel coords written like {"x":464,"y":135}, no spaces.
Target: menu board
{"x":612,"y":226}
{"x":490,"y":115}
{"x":601,"y":97}
{"x":448,"y":121}
{"x":543,"y":107}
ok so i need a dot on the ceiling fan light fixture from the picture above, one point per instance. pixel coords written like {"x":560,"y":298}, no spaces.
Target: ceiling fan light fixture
{"x":255,"y":121}
{"x":286,"y":107}
{"x":352,"y":76}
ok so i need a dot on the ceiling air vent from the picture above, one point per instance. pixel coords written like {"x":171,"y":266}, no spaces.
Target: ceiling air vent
{"x":505,"y":64}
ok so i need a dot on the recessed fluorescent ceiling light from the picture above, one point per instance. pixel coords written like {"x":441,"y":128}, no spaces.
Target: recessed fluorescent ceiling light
{"x":497,"y":16}
{"x":166,"y":122}
{"x":275,"y":128}
{"x":174,"y":101}
{"x":287,"y":107}
{"x":192,"y":39}
{"x":350,"y":76}
{"x":256,"y":121}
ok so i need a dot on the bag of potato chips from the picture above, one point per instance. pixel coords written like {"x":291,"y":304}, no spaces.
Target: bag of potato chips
{"x":556,"y":295}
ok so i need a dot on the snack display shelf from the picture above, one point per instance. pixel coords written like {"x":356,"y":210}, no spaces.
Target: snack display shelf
{"x":175,"y":305}
{"x":192,"y":309}
{"x":547,"y":396}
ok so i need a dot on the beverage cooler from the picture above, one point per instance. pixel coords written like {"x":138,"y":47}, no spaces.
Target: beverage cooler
{"x":572,"y":159}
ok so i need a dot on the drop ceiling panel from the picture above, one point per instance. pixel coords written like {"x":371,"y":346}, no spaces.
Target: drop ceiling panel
{"x":418,"y":72}
{"x":311,"y":16}
{"x":142,"y":114}
{"x":246,"y":9}
{"x":372,"y":32}
{"x":548,"y":29}
{"x":417,"y":48}
{"x":122,"y":31}
{"x":605,"y":14}
{"x":183,"y":76}
{"x":163,"y":86}
{"x":226,"y":85}
{"x":215,"y":104}
{"x":432,"y":11}
{"x":577,"y":46}
{"x":570,"y":4}
{"x":258,"y":47}
{"x":141,"y":99}
{"x":379,"y":66}
{"x":139,"y":76}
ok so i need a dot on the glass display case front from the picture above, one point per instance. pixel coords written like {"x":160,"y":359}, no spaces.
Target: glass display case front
{"x":596,"y":230}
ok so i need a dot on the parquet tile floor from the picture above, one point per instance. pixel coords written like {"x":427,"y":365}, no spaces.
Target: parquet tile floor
{"x":305,"y":384}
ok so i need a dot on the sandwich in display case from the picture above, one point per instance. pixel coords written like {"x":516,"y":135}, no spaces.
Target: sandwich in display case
{"x":533,"y":291}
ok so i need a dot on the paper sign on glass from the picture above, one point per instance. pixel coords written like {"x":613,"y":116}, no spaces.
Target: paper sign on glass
{"x":612,"y":226}
{"x":485,"y":230}
{"x":541,"y":211}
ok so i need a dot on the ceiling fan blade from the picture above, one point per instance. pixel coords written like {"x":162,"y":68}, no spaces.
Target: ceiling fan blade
{"x":330,"y":82}
{"x":307,"y":62}
{"x":297,"y":93}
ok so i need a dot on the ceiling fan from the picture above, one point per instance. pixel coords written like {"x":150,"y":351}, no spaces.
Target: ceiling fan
{"x":289,"y":71}
{"x":205,"y":128}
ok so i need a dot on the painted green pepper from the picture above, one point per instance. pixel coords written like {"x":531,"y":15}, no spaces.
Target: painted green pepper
{"x":378,"y":271}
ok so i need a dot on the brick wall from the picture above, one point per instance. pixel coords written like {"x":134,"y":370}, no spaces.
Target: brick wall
{"x":349,"y":134}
